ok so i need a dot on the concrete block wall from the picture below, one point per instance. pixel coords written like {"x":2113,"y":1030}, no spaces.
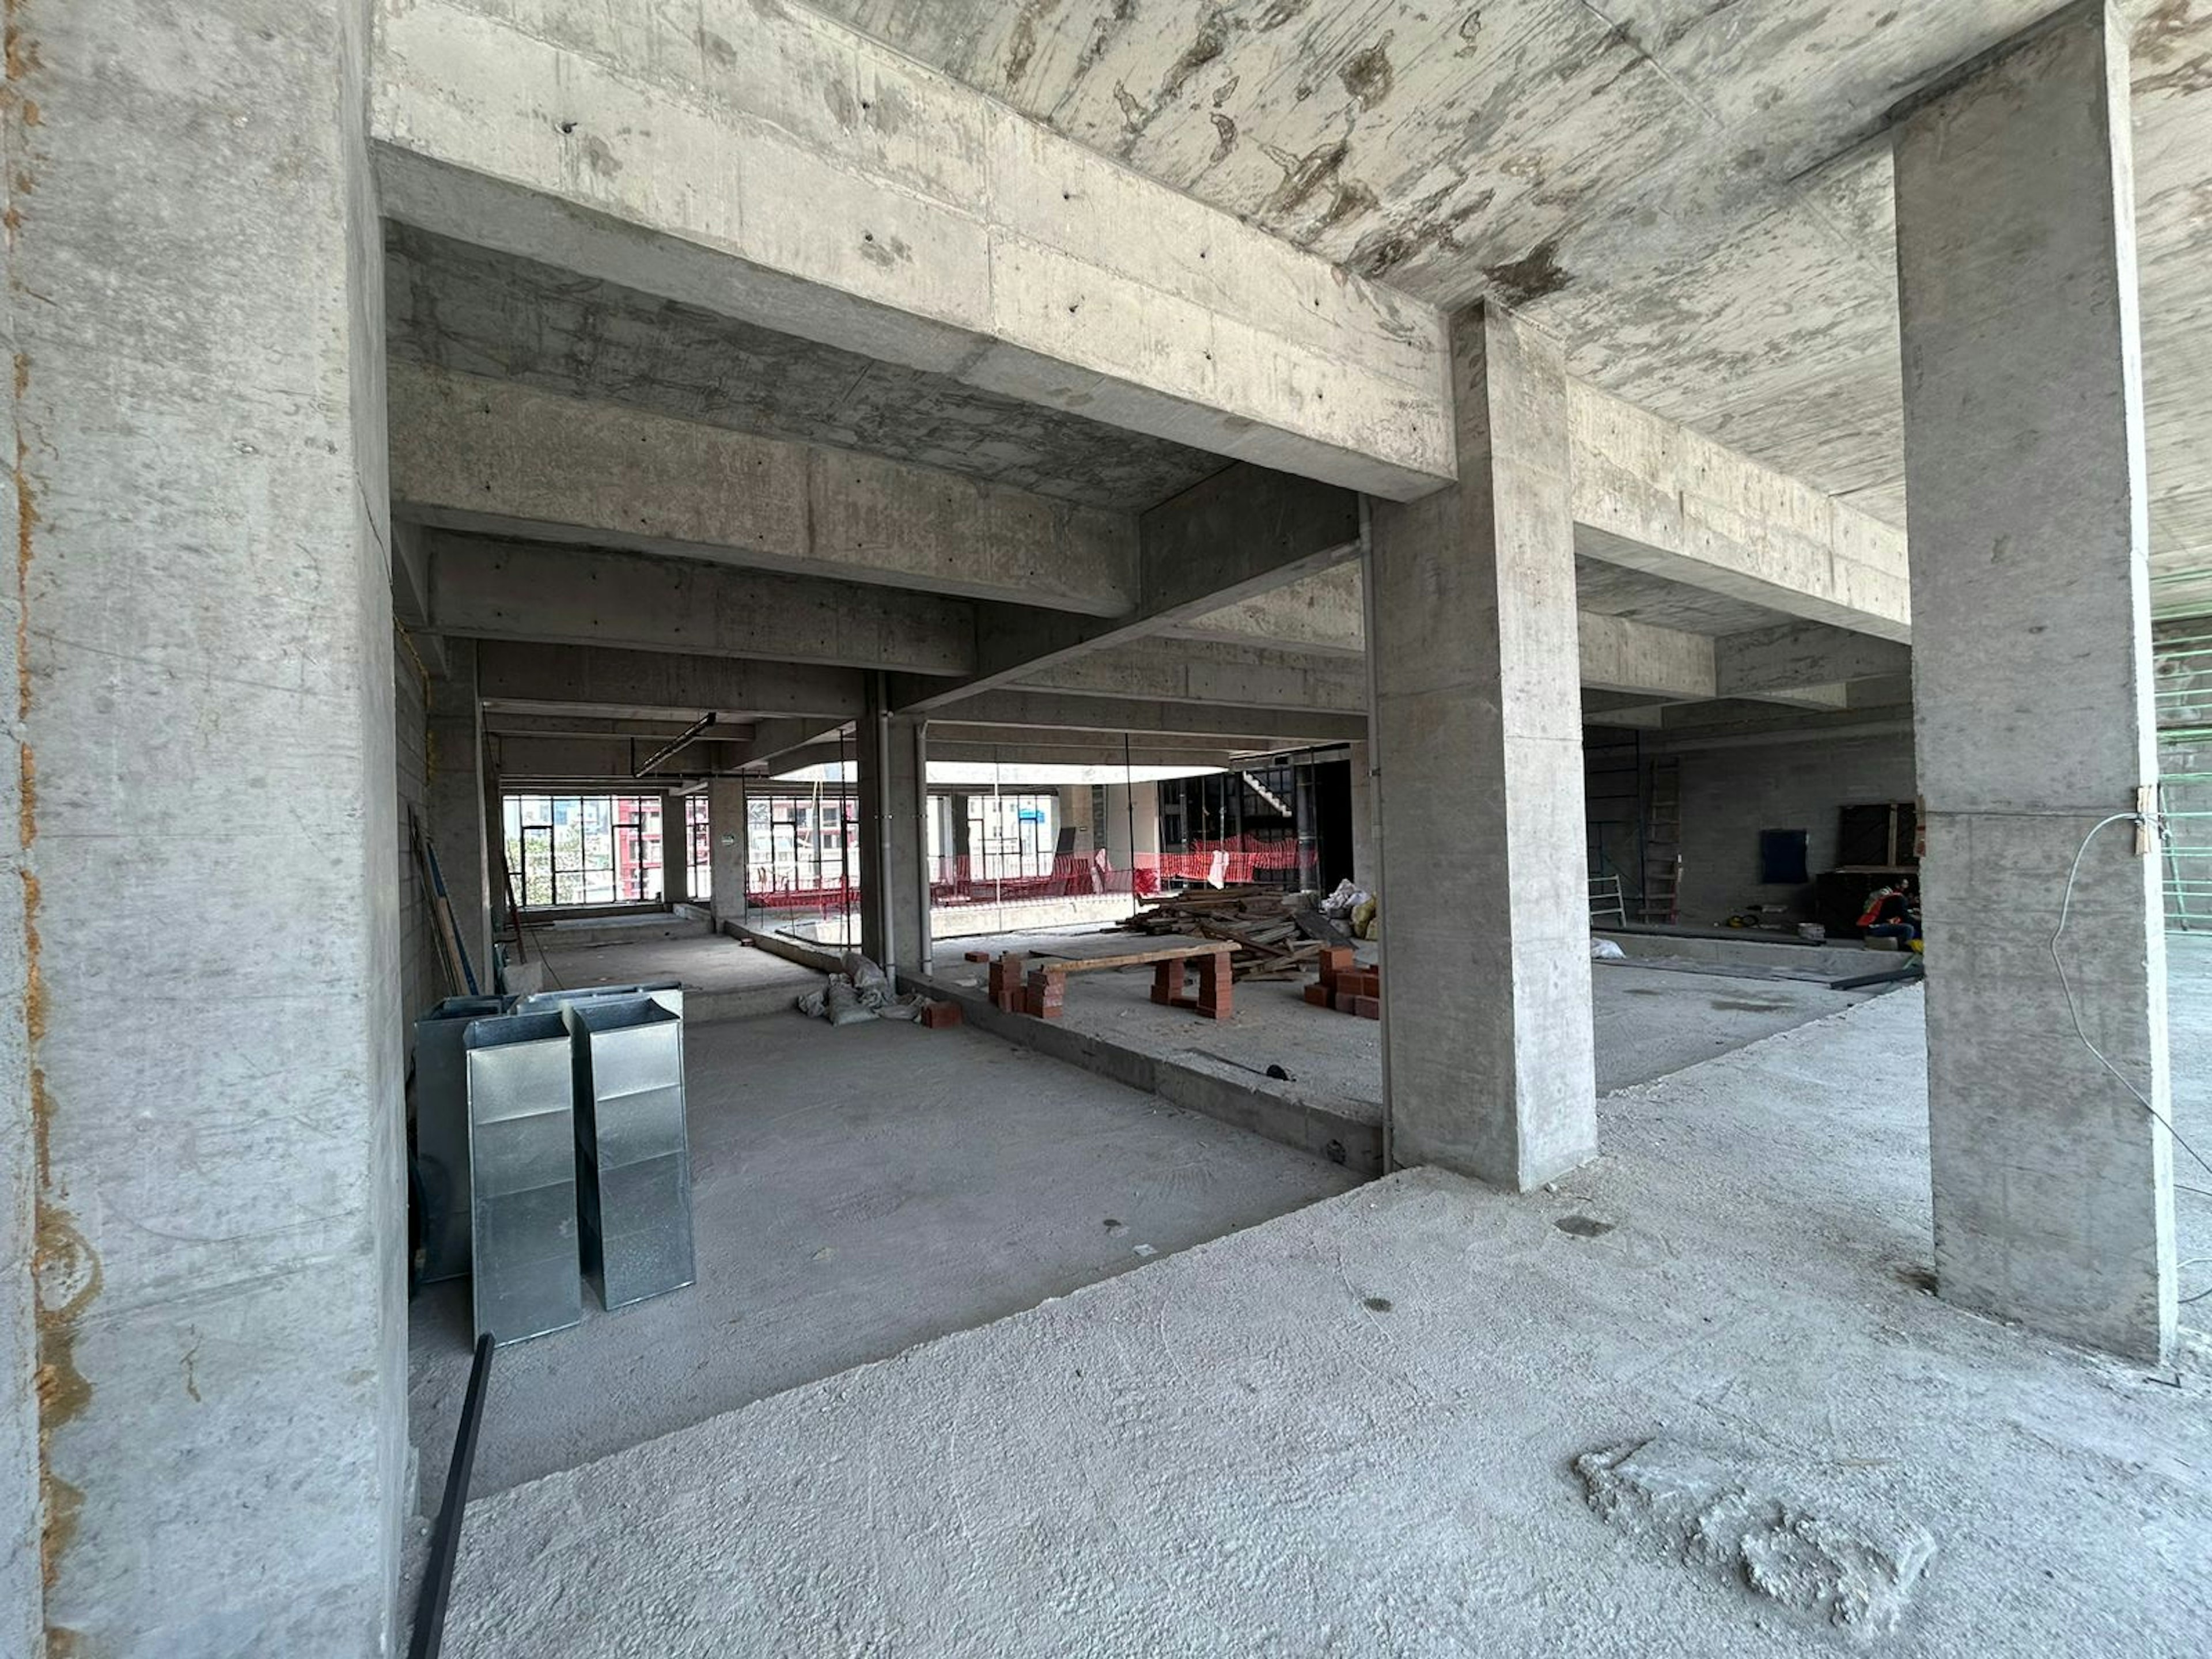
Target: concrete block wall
{"x":1730,"y":794}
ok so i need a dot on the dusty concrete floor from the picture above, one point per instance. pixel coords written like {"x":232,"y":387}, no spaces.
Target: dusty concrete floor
{"x":722,"y":979}
{"x":856,"y":1190}
{"x":1352,"y":1430}
{"x":1649,"y":1021}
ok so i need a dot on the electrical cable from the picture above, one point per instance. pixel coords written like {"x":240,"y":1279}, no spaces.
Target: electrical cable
{"x":2073,"y":1010}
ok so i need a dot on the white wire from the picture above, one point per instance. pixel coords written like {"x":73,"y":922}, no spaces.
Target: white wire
{"x":2074,"y":1009}
{"x":2065,"y":906}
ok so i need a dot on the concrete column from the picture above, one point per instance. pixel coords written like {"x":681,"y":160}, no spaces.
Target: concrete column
{"x":21,"y":1594}
{"x":2032,"y":665}
{"x":207,"y":694}
{"x":1478,"y":712}
{"x":894,"y":899}
{"x":1365,"y":872}
{"x":455,"y":791}
{"x":675,"y":851}
{"x":726,"y":830}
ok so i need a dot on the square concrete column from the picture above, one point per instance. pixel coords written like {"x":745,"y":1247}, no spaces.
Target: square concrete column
{"x":1476,"y":725}
{"x":207,"y":708}
{"x":2032,"y":669}
{"x":455,"y":802}
{"x":726,"y":834}
{"x":894,"y":864}
{"x":675,"y":851}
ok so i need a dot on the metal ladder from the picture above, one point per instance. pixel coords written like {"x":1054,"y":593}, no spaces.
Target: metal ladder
{"x":1662,"y":843}
{"x":1605,"y":900}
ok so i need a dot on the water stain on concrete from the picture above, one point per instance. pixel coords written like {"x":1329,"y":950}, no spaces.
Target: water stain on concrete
{"x":1583,"y":1226}
{"x":1524,"y":281}
{"x":1368,"y":76}
{"x":1747,"y":1006}
{"x":1225,"y":139}
{"x":1211,"y":40}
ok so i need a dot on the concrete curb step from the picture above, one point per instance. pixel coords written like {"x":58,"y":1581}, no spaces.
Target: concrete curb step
{"x":1327,"y":1125}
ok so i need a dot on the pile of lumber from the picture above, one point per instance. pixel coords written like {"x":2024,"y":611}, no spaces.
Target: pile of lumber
{"x":1277,"y":935}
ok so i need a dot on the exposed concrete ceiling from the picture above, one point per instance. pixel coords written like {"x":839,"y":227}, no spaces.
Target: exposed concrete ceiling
{"x":1694,"y":194}
{"x":476,"y":311}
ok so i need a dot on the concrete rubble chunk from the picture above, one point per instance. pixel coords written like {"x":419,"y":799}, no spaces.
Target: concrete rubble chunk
{"x":1753,"y":1524}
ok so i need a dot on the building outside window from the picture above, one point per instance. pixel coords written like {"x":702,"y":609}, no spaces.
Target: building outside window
{"x":800,"y":845}
{"x":573,"y":850}
{"x":699,"y":848}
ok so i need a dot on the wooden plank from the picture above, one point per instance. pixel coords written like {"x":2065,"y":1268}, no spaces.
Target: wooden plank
{"x":1128,"y":959}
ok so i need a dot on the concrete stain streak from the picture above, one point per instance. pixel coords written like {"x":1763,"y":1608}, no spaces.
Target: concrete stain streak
{"x":1368,"y":76}
{"x":65,"y":1272}
{"x":1522,"y":281}
{"x":2162,"y":36}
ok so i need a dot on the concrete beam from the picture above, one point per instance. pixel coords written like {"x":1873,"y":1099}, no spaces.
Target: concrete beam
{"x":775,"y":166}
{"x":495,"y":589}
{"x":1651,"y":495}
{"x":1013,"y":758}
{"x":1619,"y":654}
{"x":772,"y":738}
{"x":511,"y":725}
{"x":606,"y":758}
{"x":497,"y":456}
{"x":1325,"y":612}
{"x":1178,"y":671}
{"x":644,"y":685}
{"x":1798,"y":657}
{"x":1232,"y":537}
{"x":1078,"y":712}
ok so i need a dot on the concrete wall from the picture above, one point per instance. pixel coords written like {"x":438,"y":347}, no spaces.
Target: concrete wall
{"x":1730,"y":794}
{"x":208,"y":693}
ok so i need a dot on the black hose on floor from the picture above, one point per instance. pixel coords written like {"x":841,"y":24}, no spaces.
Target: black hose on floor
{"x":446,"y":1540}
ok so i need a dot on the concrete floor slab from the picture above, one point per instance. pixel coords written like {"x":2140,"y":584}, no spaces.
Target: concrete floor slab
{"x":722,"y":978}
{"x":856,"y":1190}
{"x":1353,"y":1430}
{"x":1649,"y":1021}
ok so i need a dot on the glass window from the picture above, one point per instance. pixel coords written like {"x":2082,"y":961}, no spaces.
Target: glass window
{"x":564,"y":850}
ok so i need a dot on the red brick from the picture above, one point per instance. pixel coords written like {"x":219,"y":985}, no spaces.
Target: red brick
{"x":1367,"y":1007}
{"x":1342,"y":1001}
{"x":1319,"y":995}
{"x":939,"y":1015}
{"x":979,"y":956}
{"x":1335,"y":960}
{"x":1167,"y":981}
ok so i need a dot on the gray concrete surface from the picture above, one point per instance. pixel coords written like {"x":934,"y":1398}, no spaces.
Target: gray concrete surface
{"x":1477,"y":744}
{"x":1354,"y":1430}
{"x":2024,"y":442}
{"x":1647,"y":1021}
{"x":207,"y":823}
{"x":722,"y":979}
{"x":857,"y":1190}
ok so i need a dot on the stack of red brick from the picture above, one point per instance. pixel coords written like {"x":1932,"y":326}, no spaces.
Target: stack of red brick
{"x":1006,"y":981}
{"x":1215,"y":985}
{"x":1346,"y":987}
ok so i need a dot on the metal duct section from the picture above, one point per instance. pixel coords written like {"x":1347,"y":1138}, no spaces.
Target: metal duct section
{"x":522,"y":1157}
{"x":441,"y":1131}
{"x":668,"y":993}
{"x":633,"y":1156}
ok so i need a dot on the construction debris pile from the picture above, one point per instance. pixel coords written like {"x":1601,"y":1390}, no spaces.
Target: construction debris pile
{"x":1277,"y":935}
